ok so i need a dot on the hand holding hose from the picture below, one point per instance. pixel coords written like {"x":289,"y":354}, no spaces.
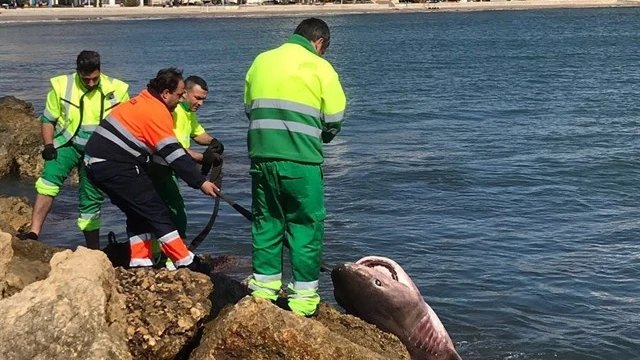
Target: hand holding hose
{"x":209,"y":188}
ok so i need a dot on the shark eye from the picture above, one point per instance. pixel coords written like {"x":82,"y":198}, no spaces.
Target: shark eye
{"x":378,"y":282}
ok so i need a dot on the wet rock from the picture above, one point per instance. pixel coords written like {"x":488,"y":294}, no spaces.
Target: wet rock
{"x":15,"y":212}
{"x":20,"y":139}
{"x":75,"y":313}
{"x":6,"y":254}
{"x":164,"y":309}
{"x":256,"y":329}
{"x":227,"y":291}
{"x":233,"y":266}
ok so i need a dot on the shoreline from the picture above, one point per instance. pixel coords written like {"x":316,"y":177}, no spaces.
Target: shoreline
{"x":116,"y":13}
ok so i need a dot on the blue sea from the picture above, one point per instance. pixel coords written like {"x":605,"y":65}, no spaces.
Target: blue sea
{"x":494,"y":155}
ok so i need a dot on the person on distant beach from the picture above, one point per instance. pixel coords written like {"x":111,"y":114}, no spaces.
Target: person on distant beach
{"x":117,"y":156}
{"x":75,"y":105}
{"x":186,"y":127}
{"x":295,"y":102}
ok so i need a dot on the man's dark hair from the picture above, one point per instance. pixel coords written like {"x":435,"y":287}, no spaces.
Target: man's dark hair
{"x":313,"y":29}
{"x":166,"y":79}
{"x":88,"y":61}
{"x":193,"y":80}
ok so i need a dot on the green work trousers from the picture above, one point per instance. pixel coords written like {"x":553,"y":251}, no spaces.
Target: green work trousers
{"x":287,"y":205}
{"x":167,"y":186}
{"x":56,"y":172}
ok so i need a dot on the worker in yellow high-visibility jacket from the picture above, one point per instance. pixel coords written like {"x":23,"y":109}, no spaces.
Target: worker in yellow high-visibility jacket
{"x":75,"y":105}
{"x":295,"y":103}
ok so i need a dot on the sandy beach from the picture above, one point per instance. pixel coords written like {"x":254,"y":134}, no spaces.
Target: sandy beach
{"x":87,"y":13}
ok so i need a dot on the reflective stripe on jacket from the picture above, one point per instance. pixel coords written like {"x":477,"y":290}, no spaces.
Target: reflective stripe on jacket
{"x":294,"y":101}
{"x":185,"y":126}
{"x":137,"y":129}
{"x":75,"y":112}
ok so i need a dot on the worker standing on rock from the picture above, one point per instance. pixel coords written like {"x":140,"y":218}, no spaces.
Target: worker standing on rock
{"x":295,"y":102}
{"x":186,"y":127}
{"x":117,"y":155}
{"x":75,"y":105}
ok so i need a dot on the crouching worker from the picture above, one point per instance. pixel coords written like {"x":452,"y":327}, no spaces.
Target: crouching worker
{"x":116,"y":157}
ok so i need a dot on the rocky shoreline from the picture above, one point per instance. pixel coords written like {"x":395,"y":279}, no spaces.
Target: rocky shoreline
{"x":60,"y":303}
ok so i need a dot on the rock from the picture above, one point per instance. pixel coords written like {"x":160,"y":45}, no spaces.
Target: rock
{"x":164,"y":309}
{"x":21,"y":273}
{"x":15,"y":211}
{"x":6,"y":254}
{"x":13,"y":103}
{"x":34,"y":250}
{"x":256,"y":329}
{"x":30,"y":263}
{"x":227,"y":263}
{"x":227,"y":291}
{"x":75,"y":313}
{"x":20,"y":139}
{"x":362,"y":333}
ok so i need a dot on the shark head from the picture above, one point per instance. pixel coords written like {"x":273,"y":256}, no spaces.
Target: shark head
{"x":377,"y":290}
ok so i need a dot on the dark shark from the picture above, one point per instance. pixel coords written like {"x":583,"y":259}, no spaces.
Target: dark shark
{"x":380,"y":292}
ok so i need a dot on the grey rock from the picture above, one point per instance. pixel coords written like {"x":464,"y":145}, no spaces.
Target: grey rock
{"x":75,"y":313}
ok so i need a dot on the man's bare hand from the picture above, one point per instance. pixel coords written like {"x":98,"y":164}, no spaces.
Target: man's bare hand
{"x":209,"y":188}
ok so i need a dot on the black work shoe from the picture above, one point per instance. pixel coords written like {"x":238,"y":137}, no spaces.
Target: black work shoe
{"x":282,"y":303}
{"x":27,"y":236}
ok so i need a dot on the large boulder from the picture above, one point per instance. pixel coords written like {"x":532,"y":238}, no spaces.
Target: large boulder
{"x":75,"y":313}
{"x":164,"y":310}
{"x":256,"y":329}
{"x":20,"y":138}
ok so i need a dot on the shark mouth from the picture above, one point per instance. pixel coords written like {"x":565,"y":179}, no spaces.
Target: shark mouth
{"x":381,"y":265}
{"x":389,"y":268}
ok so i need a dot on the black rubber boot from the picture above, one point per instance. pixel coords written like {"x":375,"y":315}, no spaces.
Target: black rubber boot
{"x":27,"y":236}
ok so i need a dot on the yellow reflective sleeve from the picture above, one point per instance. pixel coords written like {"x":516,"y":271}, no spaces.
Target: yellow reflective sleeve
{"x":52,"y":110}
{"x":334,"y":100}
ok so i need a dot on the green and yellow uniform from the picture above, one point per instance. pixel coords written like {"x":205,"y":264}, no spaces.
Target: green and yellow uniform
{"x":75,"y":113}
{"x":185,"y":127}
{"x":295,"y":102}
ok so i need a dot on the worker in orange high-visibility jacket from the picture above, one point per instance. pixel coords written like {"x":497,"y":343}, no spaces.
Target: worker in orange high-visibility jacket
{"x":116,"y":157}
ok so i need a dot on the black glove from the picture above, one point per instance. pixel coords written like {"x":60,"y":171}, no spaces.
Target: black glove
{"x":49,"y":152}
{"x":209,"y":160}
{"x":210,"y":157}
{"x":216,"y":146}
